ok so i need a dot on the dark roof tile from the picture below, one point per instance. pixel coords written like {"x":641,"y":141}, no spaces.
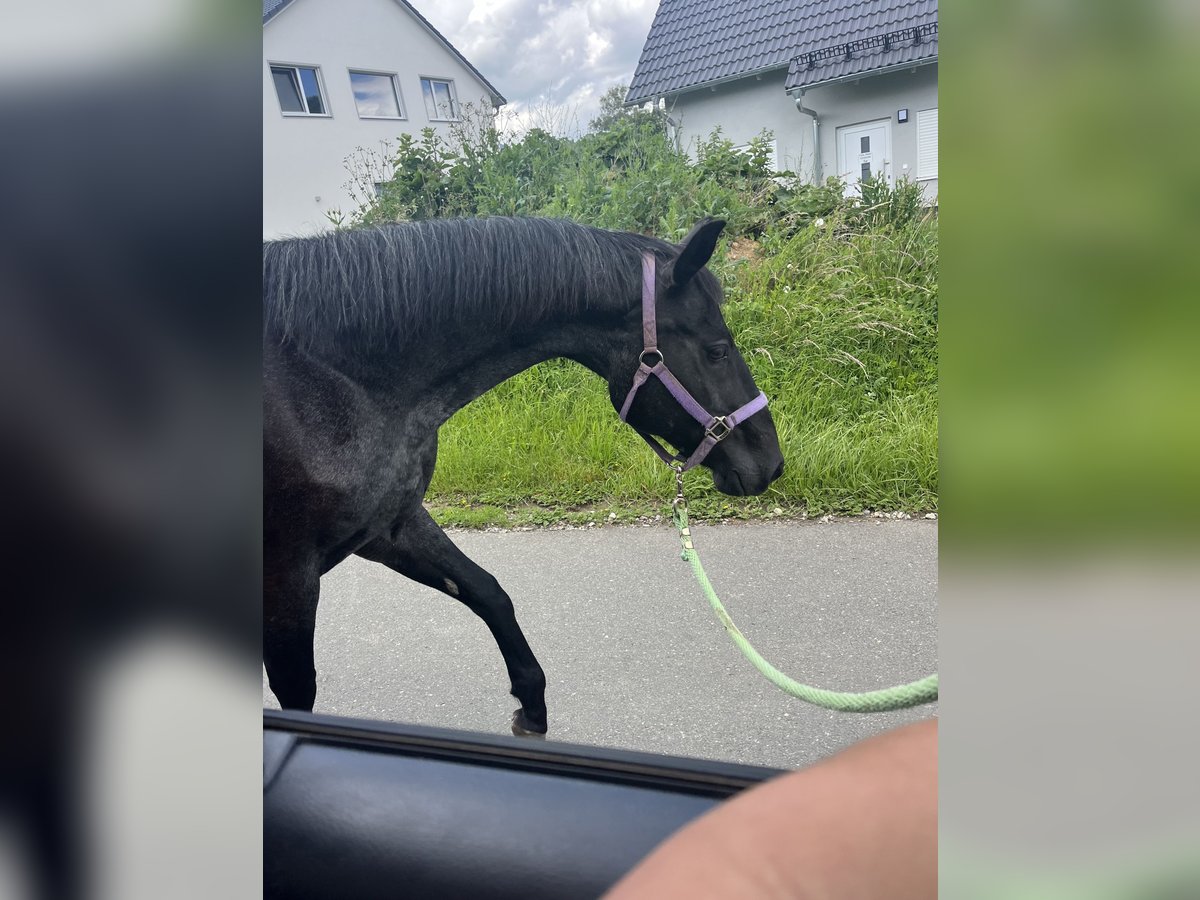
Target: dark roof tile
{"x":693,"y":42}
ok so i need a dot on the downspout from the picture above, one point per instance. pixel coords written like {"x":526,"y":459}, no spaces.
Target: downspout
{"x":672,"y":124}
{"x":801,"y":108}
{"x":673,"y":131}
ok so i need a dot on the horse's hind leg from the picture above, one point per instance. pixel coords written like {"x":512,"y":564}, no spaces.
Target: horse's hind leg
{"x":422,"y":552}
{"x":289,"y":623}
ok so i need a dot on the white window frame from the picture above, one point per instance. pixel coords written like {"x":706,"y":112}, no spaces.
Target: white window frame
{"x":454,"y":107}
{"x":295,"y":67}
{"x":395,"y":87}
{"x":924,"y":114}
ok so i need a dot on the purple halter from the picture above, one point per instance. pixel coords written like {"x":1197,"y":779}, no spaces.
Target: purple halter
{"x":716,"y":428}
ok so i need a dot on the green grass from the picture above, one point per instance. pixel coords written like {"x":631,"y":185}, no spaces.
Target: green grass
{"x":839,"y":326}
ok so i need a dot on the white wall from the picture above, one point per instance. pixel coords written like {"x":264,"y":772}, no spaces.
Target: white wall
{"x":744,"y":108}
{"x":849,"y":103}
{"x":304,"y":173}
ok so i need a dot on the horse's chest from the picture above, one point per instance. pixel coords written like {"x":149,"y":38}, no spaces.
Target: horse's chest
{"x":404,"y":476}
{"x":339,"y":468}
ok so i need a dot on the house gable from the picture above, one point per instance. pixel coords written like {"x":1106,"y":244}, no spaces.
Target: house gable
{"x":326,"y":145}
{"x":272,"y":8}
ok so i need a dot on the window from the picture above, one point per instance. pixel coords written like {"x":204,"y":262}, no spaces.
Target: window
{"x":377,"y":95}
{"x":441,"y":101}
{"x":927,"y":144}
{"x":299,"y":90}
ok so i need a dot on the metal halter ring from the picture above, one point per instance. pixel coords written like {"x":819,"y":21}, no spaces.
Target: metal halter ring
{"x":645,"y":353}
{"x":712,"y":432}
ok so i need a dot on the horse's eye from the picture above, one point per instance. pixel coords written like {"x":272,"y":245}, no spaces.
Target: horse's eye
{"x":718,"y":352}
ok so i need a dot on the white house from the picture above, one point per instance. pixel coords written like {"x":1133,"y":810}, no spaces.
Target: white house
{"x":847,"y":87}
{"x":344,"y":74}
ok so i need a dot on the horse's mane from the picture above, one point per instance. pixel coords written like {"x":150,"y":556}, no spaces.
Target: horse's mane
{"x":391,"y":283}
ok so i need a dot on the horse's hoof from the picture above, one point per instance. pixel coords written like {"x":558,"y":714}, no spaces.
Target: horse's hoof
{"x":522,"y":727}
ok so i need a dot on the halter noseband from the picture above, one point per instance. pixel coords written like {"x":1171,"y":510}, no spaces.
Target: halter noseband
{"x":651,"y":362}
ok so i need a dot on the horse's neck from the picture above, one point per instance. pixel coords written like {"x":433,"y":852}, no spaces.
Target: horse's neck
{"x":435,"y":377}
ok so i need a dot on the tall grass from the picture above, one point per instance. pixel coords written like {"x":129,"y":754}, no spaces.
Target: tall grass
{"x":832,"y":302}
{"x":839,"y":328}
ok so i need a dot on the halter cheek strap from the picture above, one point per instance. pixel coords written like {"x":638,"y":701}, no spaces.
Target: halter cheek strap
{"x":651,"y":362}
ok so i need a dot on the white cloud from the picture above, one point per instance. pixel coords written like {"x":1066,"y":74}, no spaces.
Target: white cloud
{"x":552,"y":59}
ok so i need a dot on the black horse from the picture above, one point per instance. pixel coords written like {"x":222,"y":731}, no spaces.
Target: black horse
{"x":375,"y":337}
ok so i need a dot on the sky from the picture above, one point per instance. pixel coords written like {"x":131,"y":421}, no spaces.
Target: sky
{"x":552,"y":59}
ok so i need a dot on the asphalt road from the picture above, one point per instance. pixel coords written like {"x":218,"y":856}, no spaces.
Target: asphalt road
{"x":633,"y":655}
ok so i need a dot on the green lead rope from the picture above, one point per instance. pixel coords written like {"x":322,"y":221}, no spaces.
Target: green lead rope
{"x":900,"y":697}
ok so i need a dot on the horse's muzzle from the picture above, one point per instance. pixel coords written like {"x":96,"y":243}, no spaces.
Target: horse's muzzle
{"x":738,"y":484}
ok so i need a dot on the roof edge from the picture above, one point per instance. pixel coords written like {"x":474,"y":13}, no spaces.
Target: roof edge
{"x":497,"y":97}
{"x":712,"y":82}
{"x":276,"y":11}
{"x":870,"y":73}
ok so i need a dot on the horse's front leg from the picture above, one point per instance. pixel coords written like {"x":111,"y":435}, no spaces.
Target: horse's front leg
{"x":421,"y":551}
{"x":289,"y":621}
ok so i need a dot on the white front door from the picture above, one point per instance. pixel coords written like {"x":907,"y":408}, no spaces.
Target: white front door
{"x":864,"y":151}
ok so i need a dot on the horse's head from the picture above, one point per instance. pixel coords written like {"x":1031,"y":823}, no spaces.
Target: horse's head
{"x":695,"y":353}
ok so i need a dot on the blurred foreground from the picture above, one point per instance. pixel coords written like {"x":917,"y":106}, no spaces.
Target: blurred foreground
{"x":129,"y":334}
{"x":1070,"y":383}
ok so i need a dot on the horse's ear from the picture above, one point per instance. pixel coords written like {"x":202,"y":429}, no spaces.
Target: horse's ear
{"x":695,"y":251}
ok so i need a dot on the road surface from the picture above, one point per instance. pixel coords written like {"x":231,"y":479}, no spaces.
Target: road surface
{"x":633,"y":655}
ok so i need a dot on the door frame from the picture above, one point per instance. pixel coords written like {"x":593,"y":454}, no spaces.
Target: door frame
{"x":840,"y":140}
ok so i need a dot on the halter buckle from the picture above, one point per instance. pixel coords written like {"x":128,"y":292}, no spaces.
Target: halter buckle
{"x":718,"y":430}
{"x":652,"y":353}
